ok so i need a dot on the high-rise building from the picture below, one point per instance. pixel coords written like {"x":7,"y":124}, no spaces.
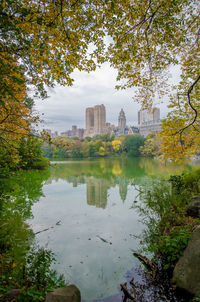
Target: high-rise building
{"x":122,"y":120}
{"x":148,"y":117}
{"x":148,"y":121}
{"x":89,"y":121}
{"x":95,"y":120}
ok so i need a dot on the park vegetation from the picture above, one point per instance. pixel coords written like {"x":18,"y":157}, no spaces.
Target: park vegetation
{"x":168,"y":228}
{"x":23,"y":265}
{"x":41,"y":44}
{"x":101,"y":146}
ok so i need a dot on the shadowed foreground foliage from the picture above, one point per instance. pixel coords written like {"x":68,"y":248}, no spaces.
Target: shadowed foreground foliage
{"x":164,"y":210}
{"x":23,"y":265}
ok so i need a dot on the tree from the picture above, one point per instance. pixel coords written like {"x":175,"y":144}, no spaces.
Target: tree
{"x":102,"y":151}
{"x":14,"y":105}
{"x":132,"y":144}
{"x":30,"y":154}
{"x":151,"y":146}
{"x":154,"y":36}
{"x":49,"y":39}
{"x":15,"y":108}
{"x":116,"y":144}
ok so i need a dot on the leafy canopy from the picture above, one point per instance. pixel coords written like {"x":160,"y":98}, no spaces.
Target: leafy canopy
{"x":49,"y":39}
{"x":150,"y":37}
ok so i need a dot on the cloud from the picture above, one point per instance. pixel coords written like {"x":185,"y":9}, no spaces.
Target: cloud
{"x":66,"y":105}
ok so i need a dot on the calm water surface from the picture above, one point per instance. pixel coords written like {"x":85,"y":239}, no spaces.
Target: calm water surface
{"x":92,"y":228}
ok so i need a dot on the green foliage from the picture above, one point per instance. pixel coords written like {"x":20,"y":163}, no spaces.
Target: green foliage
{"x":7,"y":161}
{"x":186,"y":181}
{"x":27,"y":154}
{"x":30,"y":154}
{"x":151,"y":146}
{"x":197,"y":298}
{"x":177,"y":183}
{"x":102,"y":151}
{"x":40,"y":164}
{"x":40,"y":276}
{"x":145,"y":40}
{"x":93,"y":147}
{"x":173,"y":244}
{"x":164,"y":206}
{"x":23,"y":265}
{"x":132,"y":144}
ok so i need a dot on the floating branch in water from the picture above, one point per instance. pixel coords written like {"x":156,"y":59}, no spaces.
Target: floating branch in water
{"x":104,"y":240}
{"x":57,"y":223}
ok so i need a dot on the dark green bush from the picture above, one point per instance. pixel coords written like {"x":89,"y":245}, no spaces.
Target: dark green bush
{"x":163,"y":208}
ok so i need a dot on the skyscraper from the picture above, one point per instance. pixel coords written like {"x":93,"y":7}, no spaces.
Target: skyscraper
{"x":147,"y":117}
{"x":89,"y":120}
{"x":121,"y":120}
{"x":149,"y":121}
{"x":95,"y":120}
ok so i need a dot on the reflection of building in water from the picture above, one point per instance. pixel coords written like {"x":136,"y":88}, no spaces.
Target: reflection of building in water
{"x":76,"y":180}
{"x":97,"y":191}
{"x":96,"y":188}
{"x":123,"y":188}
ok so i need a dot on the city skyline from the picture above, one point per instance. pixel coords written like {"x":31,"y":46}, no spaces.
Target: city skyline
{"x":66,"y":105}
{"x":96,"y":124}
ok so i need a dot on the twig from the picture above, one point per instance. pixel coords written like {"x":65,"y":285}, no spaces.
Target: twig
{"x":104,"y":240}
{"x":57,"y":223}
{"x":148,"y":263}
{"x":127,"y":295}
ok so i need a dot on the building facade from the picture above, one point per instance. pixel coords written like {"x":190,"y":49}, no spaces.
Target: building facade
{"x":75,"y":132}
{"x":122,"y":120}
{"x":95,"y":120}
{"x":149,"y":121}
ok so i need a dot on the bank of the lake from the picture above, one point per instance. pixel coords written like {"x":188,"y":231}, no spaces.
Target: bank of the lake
{"x":88,"y":213}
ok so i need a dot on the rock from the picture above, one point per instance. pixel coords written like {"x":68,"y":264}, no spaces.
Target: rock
{"x":186,"y":273}
{"x":193,"y":209}
{"x":64,"y":294}
{"x":12,"y":295}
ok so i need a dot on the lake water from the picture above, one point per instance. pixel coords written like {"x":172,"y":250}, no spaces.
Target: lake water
{"x":86,"y":213}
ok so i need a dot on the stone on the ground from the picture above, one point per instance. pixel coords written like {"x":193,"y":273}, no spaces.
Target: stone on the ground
{"x":12,"y":295}
{"x":193,"y":209}
{"x":186,"y":273}
{"x":64,"y":294}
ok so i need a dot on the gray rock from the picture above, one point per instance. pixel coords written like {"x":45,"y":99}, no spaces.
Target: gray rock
{"x":186,"y":273}
{"x":193,"y":209}
{"x":13,"y":294}
{"x":65,"y":294}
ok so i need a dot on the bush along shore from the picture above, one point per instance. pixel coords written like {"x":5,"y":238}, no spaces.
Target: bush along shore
{"x":26,"y":273}
{"x":25,"y":269}
{"x":171,"y":211}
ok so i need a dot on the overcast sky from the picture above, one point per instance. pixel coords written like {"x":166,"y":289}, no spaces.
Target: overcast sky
{"x":66,"y":105}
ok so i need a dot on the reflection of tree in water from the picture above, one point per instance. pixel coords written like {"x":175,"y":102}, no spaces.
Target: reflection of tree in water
{"x":156,"y":167}
{"x":100,"y":175}
{"x":24,"y":189}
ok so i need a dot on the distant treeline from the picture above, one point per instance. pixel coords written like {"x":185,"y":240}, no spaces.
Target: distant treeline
{"x":101,"y":146}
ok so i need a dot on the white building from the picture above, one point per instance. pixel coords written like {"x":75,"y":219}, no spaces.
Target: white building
{"x":148,"y":121}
